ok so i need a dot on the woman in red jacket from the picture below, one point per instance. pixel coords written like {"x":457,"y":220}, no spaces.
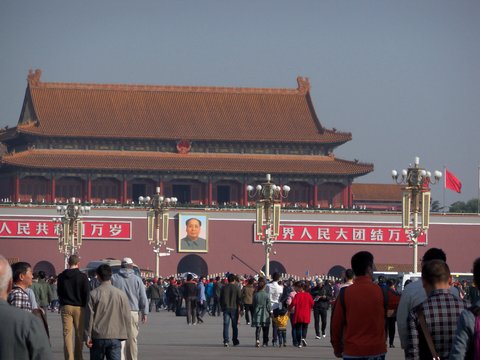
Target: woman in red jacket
{"x":303,"y":304}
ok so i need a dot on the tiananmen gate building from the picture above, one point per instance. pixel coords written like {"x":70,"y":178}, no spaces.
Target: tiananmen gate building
{"x":109,"y":144}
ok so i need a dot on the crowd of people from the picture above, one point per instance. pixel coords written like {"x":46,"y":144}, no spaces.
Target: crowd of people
{"x":435,"y":318}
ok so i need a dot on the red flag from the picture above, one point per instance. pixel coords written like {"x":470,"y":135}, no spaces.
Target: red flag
{"x":452,"y":182}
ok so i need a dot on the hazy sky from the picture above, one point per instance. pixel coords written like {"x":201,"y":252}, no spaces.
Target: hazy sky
{"x":402,"y":76}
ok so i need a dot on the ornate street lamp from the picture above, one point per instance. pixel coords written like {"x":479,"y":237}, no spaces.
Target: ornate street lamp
{"x":157,"y":213}
{"x":69,"y":227}
{"x":415,"y":201}
{"x":268,"y":196}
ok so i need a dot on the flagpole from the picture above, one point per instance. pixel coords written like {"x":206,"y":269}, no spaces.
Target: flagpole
{"x":444,"y":187}
{"x":478,"y":198}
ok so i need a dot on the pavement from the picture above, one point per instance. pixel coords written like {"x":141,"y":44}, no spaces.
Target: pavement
{"x":166,"y":336}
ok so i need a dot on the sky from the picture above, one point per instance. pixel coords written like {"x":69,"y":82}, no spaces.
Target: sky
{"x":402,"y":76}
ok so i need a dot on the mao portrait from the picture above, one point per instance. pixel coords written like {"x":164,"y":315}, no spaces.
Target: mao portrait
{"x":192,"y":233}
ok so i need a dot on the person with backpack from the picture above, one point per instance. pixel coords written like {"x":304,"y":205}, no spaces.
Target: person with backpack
{"x":432,"y":324}
{"x":466,"y":344}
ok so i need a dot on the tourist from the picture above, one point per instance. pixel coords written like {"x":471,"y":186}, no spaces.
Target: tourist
{"x":434,"y":318}
{"x":392,"y":297}
{"x":347,"y":279}
{"x":189,"y":292}
{"x":289,"y":300}
{"x":201,"y":300}
{"x":154,"y":294}
{"x":414,"y":294}
{"x":247,"y":299}
{"x":274,"y":290}
{"x":261,"y":313}
{"x":21,"y":333}
{"x":42,"y":290}
{"x":209,"y":289}
{"x":303,"y":304}
{"x":230,"y":302}
{"x":216,"y":296}
{"x":22,"y":280}
{"x":107,"y":318}
{"x":281,"y":320}
{"x":133,"y":286}
{"x":463,"y":343}
{"x":73,"y":291}
{"x":358,"y":320}
{"x":321,"y":294}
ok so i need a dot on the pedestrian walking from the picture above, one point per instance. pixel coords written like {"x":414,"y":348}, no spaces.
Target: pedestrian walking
{"x":133,"y":286}
{"x":73,"y":290}
{"x":261,"y":313}
{"x":230,"y":302}
{"x":107,"y":318}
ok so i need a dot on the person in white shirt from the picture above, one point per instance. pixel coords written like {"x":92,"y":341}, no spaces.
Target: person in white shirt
{"x":275,"y":291}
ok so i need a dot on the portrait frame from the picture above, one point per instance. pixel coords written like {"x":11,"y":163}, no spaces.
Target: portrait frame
{"x":185,"y":244}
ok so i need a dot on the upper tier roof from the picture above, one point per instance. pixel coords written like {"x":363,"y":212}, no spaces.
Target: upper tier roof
{"x":195,"y":162}
{"x":173,"y":112}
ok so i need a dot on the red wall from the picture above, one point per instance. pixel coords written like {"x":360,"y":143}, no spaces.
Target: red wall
{"x":232,"y":233}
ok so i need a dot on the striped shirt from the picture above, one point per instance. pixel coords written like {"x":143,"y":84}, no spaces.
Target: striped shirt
{"x":441,"y":310}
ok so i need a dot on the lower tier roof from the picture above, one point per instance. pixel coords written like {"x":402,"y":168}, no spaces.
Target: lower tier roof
{"x":192,"y":162}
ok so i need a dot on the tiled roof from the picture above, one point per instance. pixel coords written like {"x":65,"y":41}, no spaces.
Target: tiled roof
{"x":195,"y":162}
{"x":377,"y":192}
{"x":175,"y":112}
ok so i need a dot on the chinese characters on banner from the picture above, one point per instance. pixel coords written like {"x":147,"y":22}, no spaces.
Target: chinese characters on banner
{"x":345,"y":234}
{"x":47,"y":229}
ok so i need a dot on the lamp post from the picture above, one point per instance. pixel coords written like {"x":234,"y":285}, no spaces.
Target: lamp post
{"x":157,"y":213}
{"x":416,"y":201}
{"x":69,"y":227}
{"x":268,"y":196}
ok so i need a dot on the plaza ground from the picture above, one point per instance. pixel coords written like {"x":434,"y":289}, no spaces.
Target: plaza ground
{"x":166,"y":336}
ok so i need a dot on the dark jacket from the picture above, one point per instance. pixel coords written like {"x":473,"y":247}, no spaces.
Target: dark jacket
{"x":230,"y":297}
{"x":73,"y":288}
{"x":321,"y":297}
{"x":189,"y":290}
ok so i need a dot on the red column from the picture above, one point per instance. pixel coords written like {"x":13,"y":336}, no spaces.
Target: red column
{"x":210,"y":191}
{"x":52,"y":189}
{"x":315,"y":195}
{"x":245,"y":193}
{"x":89,"y":188}
{"x":162,"y":190}
{"x":124,"y":190}
{"x":345,"y":196}
{"x":350,"y":195}
{"x":16,"y":189}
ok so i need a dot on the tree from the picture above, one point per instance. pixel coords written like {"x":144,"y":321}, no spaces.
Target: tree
{"x":471,"y":206}
{"x":435,"y":206}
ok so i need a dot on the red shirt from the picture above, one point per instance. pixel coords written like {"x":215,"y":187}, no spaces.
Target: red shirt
{"x":363,"y":334}
{"x":303,"y":304}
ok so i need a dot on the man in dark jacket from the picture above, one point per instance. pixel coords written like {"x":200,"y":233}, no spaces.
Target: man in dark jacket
{"x":189,"y":291}
{"x":154,"y":294}
{"x":321,"y":294}
{"x":230,"y":301}
{"x":73,"y":291}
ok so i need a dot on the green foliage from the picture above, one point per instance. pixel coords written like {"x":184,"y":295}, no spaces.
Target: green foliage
{"x":471,"y":206}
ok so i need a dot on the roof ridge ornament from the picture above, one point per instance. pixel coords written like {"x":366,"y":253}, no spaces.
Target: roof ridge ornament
{"x":303,"y":84}
{"x":33,"y":77}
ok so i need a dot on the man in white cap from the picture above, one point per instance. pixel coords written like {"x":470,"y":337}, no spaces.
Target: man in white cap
{"x":133,"y":286}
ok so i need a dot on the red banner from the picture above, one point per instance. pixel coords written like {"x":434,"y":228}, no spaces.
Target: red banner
{"x":345,"y":234}
{"x":47,"y":229}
